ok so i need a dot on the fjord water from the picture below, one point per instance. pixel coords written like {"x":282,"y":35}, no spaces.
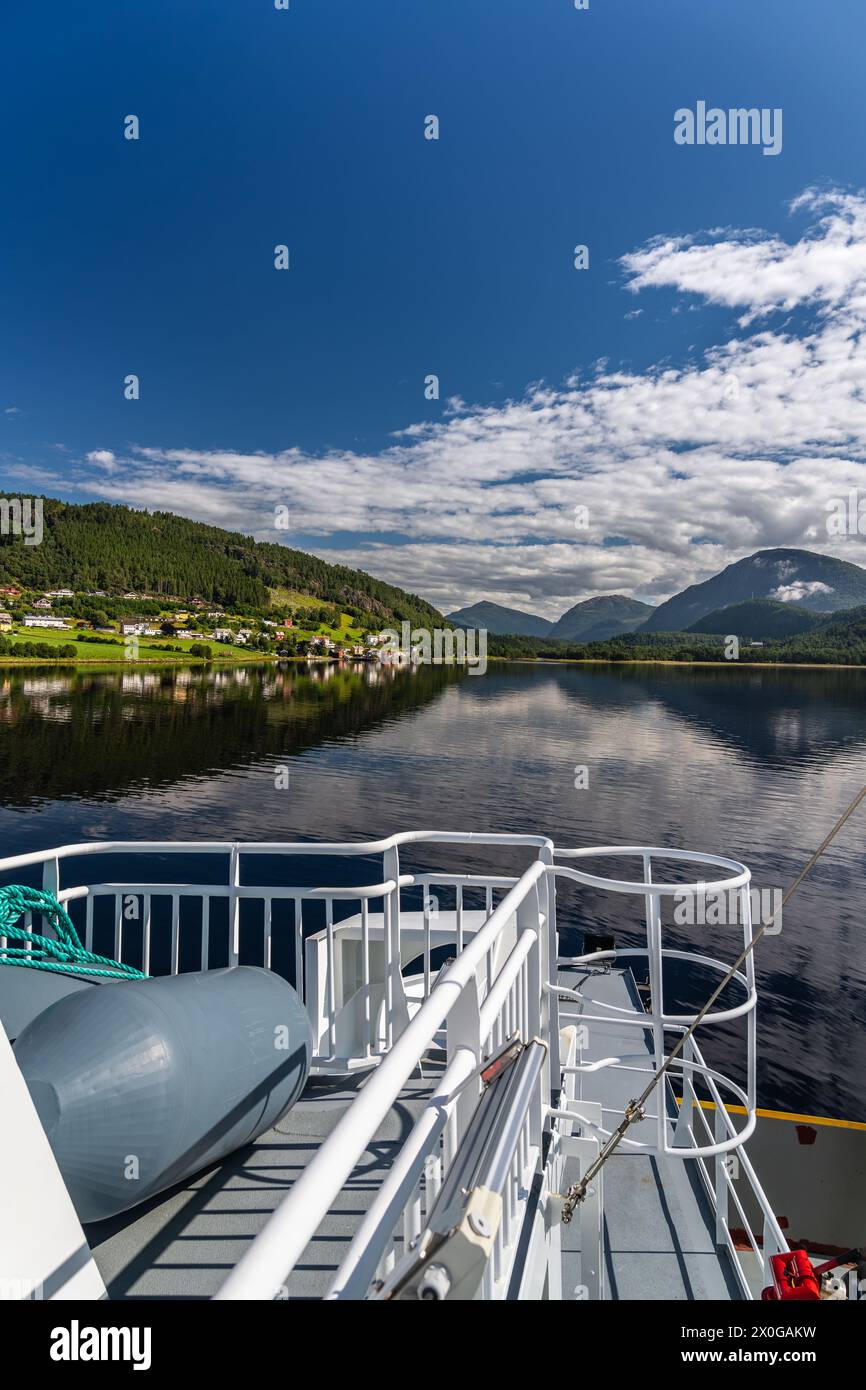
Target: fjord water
{"x":752,"y":763}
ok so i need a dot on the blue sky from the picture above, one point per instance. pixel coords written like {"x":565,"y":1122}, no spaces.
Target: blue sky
{"x":452,"y":257}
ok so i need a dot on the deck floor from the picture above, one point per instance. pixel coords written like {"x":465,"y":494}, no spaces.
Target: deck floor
{"x":183,"y":1244}
{"x":658,"y":1226}
{"x":659,"y":1230}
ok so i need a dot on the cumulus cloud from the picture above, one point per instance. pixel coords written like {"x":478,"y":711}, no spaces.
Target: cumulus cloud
{"x":826,"y":268}
{"x":622,"y":481}
{"x":103,"y":457}
{"x":796,"y":592}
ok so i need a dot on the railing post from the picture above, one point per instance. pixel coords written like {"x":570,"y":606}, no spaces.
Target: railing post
{"x":585,"y":1149}
{"x":684,"y":1118}
{"x":51,"y":876}
{"x":720,"y":1133}
{"x":528,"y":916}
{"x":548,"y":947}
{"x":234,"y":905}
{"x":50,"y":884}
{"x":396,"y":1009}
{"x":752,"y":1020}
{"x":463,"y":1030}
{"x":769,"y":1247}
{"x":656,"y":966}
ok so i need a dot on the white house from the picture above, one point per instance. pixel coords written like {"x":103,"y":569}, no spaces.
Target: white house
{"x":41,"y":620}
{"x":42,"y":603}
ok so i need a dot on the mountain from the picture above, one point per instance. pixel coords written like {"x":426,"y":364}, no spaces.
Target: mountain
{"x":594,"y":619}
{"x":102,"y":546}
{"x":759,"y":618}
{"x":501,"y":621}
{"x":800,"y":578}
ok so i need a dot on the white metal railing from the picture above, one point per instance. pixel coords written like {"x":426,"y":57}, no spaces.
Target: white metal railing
{"x":376,"y":999}
{"x":712,"y":1148}
{"x":366,"y":1015}
{"x":514,"y":1002}
{"x":655,"y":953}
{"x":719,"y":1177}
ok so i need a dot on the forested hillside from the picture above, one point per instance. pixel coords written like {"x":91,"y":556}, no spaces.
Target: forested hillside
{"x":760,"y":617}
{"x":838,"y":640}
{"x":100,"y":546}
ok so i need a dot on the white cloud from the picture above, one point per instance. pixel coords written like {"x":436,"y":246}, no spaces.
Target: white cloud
{"x":762,"y":272}
{"x":693,"y":465}
{"x":794,"y":593}
{"x":103,"y":457}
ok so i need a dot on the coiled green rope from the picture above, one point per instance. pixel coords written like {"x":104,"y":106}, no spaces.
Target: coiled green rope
{"x":66,"y":954}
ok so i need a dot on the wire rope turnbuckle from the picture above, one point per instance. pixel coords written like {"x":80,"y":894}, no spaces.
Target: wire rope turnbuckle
{"x":635,"y":1111}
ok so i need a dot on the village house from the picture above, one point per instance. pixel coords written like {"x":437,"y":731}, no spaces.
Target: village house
{"x":5,"y":621}
{"x":41,"y":620}
{"x":60,"y":593}
{"x":42,"y":603}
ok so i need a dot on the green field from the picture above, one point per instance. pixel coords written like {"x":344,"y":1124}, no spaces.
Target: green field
{"x":348,"y":631}
{"x":149,"y":649}
{"x":293,"y":598}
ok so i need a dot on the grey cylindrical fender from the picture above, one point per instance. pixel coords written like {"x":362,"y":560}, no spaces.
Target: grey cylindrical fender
{"x":141,"y":1083}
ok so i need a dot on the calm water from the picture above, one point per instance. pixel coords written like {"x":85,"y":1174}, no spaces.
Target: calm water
{"x":754,"y":764}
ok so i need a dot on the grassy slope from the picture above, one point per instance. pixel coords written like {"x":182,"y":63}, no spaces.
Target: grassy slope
{"x":149,"y":649}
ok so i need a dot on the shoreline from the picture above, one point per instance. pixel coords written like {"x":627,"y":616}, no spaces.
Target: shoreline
{"x":171,"y":659}
{"x":661,"y":661}
{"x":179,"y":659}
